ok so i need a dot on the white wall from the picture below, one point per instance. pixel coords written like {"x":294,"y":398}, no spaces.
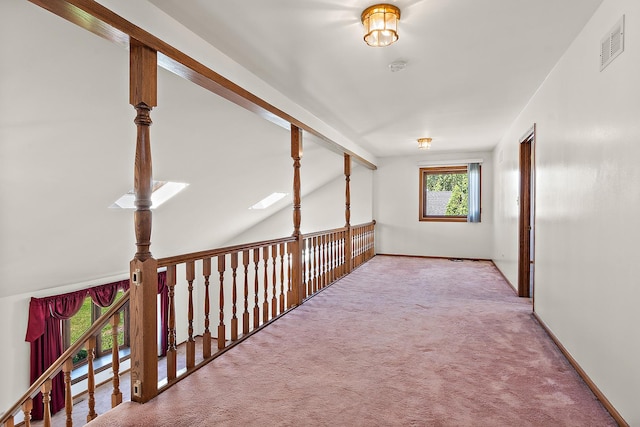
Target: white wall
{"x":398,"y":230}
{"x":587,"y":151}
{"x":322,"y":208}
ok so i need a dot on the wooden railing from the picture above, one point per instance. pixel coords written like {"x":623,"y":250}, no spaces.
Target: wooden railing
{"x":65,"y":364}
{"x":228,"y":294}
{"x":362,"y":243}
{"x":238,"y":290}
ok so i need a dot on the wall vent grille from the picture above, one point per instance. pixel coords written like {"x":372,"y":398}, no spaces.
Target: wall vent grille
{"x":612,"y":44}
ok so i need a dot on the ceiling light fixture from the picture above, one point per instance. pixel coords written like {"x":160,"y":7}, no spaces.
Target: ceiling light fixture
{"x":424,"y":143}
{"x":380,"y":24}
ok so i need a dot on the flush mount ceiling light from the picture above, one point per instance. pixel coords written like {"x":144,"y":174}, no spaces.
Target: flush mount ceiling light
{"x":380,"y":24}
{"x":424,"y":143}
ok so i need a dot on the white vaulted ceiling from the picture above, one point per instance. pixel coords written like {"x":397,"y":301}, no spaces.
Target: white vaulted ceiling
{"x":67,"y":133}
{"x":471,"y":65}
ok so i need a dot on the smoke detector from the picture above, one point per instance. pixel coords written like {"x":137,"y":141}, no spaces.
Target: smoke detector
{"x":398,"y":65}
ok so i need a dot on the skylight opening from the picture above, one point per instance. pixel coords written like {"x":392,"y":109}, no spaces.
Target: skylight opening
{"x":269,"y":200}
{"x":162,"y":191}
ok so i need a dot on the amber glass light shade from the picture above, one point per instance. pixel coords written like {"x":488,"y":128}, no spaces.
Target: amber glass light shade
{"x":424,"y":143}
{"x":380,"y":24}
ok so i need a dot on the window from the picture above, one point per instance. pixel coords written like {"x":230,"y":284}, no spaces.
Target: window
{"x":74,"y":327}
{"x":450,"y":193}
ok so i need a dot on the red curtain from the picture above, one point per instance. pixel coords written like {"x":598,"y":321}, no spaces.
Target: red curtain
{"x":45,"y":334}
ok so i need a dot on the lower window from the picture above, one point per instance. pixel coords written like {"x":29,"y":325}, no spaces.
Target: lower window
{"x":74,"y":327}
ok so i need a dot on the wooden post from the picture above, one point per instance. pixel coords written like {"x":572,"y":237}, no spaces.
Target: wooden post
{"x":347,"y":213}
{"x":27,"y":407}
{"x":191,"y":342}
{"x":46,"y":402}
{"x":206,"y":337}
{"x":297,"y":288}
{"x":91,"y":378}
{"x":143,"y":268}
{"x":116,"y":395}
{"x":68,"y":397}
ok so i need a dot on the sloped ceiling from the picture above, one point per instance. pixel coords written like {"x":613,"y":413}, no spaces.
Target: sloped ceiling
{"x":67,"y":142}
{"x":471,"y":65}
{"x":67,"y":133}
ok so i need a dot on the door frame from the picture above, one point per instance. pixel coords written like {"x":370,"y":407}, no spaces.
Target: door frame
{"x":526,"y":223}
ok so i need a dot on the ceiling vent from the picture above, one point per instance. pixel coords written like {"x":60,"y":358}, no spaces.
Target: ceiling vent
{"x":612,"y":44}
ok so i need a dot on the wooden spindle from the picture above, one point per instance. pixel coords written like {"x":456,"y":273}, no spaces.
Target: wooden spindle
{"x":116,"y":394}
{"x":256,"y":285}
{"x":206,"y":336}
{"x":282,"y":255}
{"x":46,"y":403}
{"x":274,"y":300}
{"x":27,"y":407}
{"x":172,"y":351}
{"x":309,"y":264}
{"x":323,"y":260}
{"x":315,"y":254}
{"x":289,"y":273}
{"x":221,"y":327}
{"x":191,"y":342}
{"x":67,"y":367}
{"x":10,"y":422}
{"x":245,"y":314}
{"x":234,"y":318}
{"x":91,"y":378}
{"x":265,"y":303}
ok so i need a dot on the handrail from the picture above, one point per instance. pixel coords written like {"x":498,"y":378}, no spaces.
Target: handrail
{"x":321,"y":233}
{"x":177,"y":259}
{"x":57,"y":366}
{"x":364,"y":224}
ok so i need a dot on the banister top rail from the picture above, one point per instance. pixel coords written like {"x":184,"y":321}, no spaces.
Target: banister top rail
{"x":178,"y":259}
{"x":363,"y":224}
{"x":320,"y":233}
{"x":53,"y":370}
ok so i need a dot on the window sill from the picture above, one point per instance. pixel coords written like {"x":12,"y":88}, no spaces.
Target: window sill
{"x":99,"y":364}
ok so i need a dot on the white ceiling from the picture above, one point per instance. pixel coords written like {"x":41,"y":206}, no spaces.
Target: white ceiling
{"x":472,"y":65}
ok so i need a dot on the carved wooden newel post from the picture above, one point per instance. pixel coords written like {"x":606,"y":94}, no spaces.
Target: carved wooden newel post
{"x":296,"y":294}
{"x":347,"y":213}
{"x":144,"y":275}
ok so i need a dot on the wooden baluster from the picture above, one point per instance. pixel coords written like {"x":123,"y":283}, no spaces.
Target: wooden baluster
{"x":282,"y":255}
{"x":265,"y":303}
{"x":313,"y":264}
{"x":222,"y":334}
{"x":68,"y":397}
{"x":234,"y":318}
{"x":347,"y":213}
{"x":332,"y":257}
{"x":308,"y":248}
{"x":91,"y":378}
{"x":206,"y":336}
{"x":46,"y":403}
{"x":289,"y":273}
{"x":274,"y":300}
{"x":116,"y":395}
{"x":172,"y":351}
{"x":10,"y":422}
{"x":316,"y":264}
{"x":191,"y":343}
{"x":256,"y":308}
{"x":27,"y":406}
{"x":324,"y":260}
{"x":245,"y":314}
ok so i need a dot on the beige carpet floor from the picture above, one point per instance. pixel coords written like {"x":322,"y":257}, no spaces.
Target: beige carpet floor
{"x":400,"y":342}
